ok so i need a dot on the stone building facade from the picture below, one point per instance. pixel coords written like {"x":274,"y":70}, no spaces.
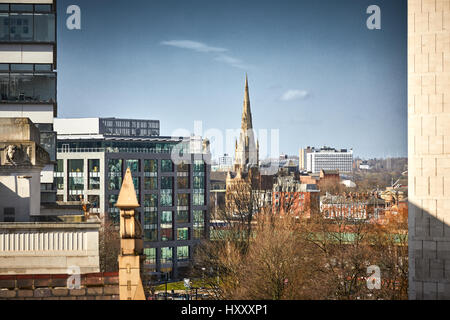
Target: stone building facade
{"x":49,"y":248}
{"x":92,"y":286}
{"x":429,"y":148}
{"x":21,"y":162}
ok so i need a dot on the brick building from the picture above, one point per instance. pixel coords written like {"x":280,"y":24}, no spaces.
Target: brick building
{"x":290,"y":196}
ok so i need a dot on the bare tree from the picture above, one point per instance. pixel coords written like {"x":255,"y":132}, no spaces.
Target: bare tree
{"x":109,"y":246}
{"x":281,"y":254}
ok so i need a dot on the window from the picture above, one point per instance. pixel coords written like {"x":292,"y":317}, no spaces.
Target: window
{"x":183,"y":200}
{"x":166,"y":198}
{"x":76,"y":166}
{"x":182,"y":216}
{"x":199,"y":224}
{"x":151,"y":233}
{"x":150,"y":255}
{"x":183,"y":253}
{"x":60,"y":165}
{"x":94,"y":174}
{"x":22,"y":7}
{"x":166,"y":226}
{"x":167,"y":191}
{"x":25,"y":22}
{"x":48,"y":142}
{"x":183,"y":167}
{"x":114,"y":213}
{"x":9,"y":215}
{"x":151,"y":166}
{"x":183,"y":182}
{"x":150,"y":217}
{"x":166,"y":182}
{"x":44,"y":27}
{"x":114,"y":174}
{"x":133,"y":165}
{"x":150,"y":202}
{"x":28,"y":87}
{"x":199,"y":166}
{"x":151,"y":230}
{"x":182,"y":234}
{"x":137,"y":184}
{"x":199,"y":197}
{"x":59,"y":175}
{"x":42,"y":7}
{"x":76,"y":179}
{"x":43,"y":67}
{"x":199,"y":183}
{"x":166,"y":166}
{"x":166,"y":255}
{"x":150,"y":183}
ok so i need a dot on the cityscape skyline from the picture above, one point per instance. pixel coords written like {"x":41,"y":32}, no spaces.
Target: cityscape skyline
{"x":193,"y":63}
{"x":224,"y":151}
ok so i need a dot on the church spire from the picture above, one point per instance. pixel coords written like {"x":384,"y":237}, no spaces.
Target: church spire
{"x":247,"y":112}
{"x":246,"y":152}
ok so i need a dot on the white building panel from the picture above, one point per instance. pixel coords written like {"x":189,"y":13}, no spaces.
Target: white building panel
{"x":36,"y":113}
{"x":47,"y":174}
{"x":77,"y":126}
{"x":26,"y":53}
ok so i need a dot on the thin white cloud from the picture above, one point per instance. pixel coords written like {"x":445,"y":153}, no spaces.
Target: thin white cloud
{"x":291,"y":95}
{"x":237,"y":63}
{"x":204,"y":48}
{"x":193,"y":45}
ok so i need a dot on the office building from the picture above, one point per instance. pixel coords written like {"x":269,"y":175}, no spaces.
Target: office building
{"x":28,"y":72}
{"x":108,"y":127}
{"x":326,"y":159}
{"x":174,"y":195}
{"x":225,"y":163}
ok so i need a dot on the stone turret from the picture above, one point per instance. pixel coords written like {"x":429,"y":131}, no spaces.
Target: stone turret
{"x":131,"y":243}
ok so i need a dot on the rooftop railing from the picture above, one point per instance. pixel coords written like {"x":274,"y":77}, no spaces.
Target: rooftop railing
{"x":113,"y":150}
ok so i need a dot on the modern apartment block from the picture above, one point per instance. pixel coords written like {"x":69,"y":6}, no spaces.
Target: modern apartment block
{"x":313,"y":160}
{"x":28,"y":72}
{"x":174,"y":195}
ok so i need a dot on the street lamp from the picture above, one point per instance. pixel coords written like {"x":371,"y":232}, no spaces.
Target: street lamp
{"x":203,"y":276}
{"x":167,"y":279}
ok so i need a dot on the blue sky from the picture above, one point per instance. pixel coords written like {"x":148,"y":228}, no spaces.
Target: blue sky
{"x":316,"y":72}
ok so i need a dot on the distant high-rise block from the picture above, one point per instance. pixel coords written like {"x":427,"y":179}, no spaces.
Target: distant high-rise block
{"x":313,"y":160}
{"x":429,"y":148}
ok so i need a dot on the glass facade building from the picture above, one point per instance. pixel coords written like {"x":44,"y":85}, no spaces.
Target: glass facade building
{"x":173,"y":196}
{"x":28,"y":77}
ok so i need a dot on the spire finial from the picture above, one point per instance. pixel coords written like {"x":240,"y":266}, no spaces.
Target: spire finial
{"x":127,"y":196}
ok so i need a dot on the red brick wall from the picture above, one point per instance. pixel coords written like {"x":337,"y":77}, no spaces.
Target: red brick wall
{"x":94,"y":286}
{"x":301,"y":204}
